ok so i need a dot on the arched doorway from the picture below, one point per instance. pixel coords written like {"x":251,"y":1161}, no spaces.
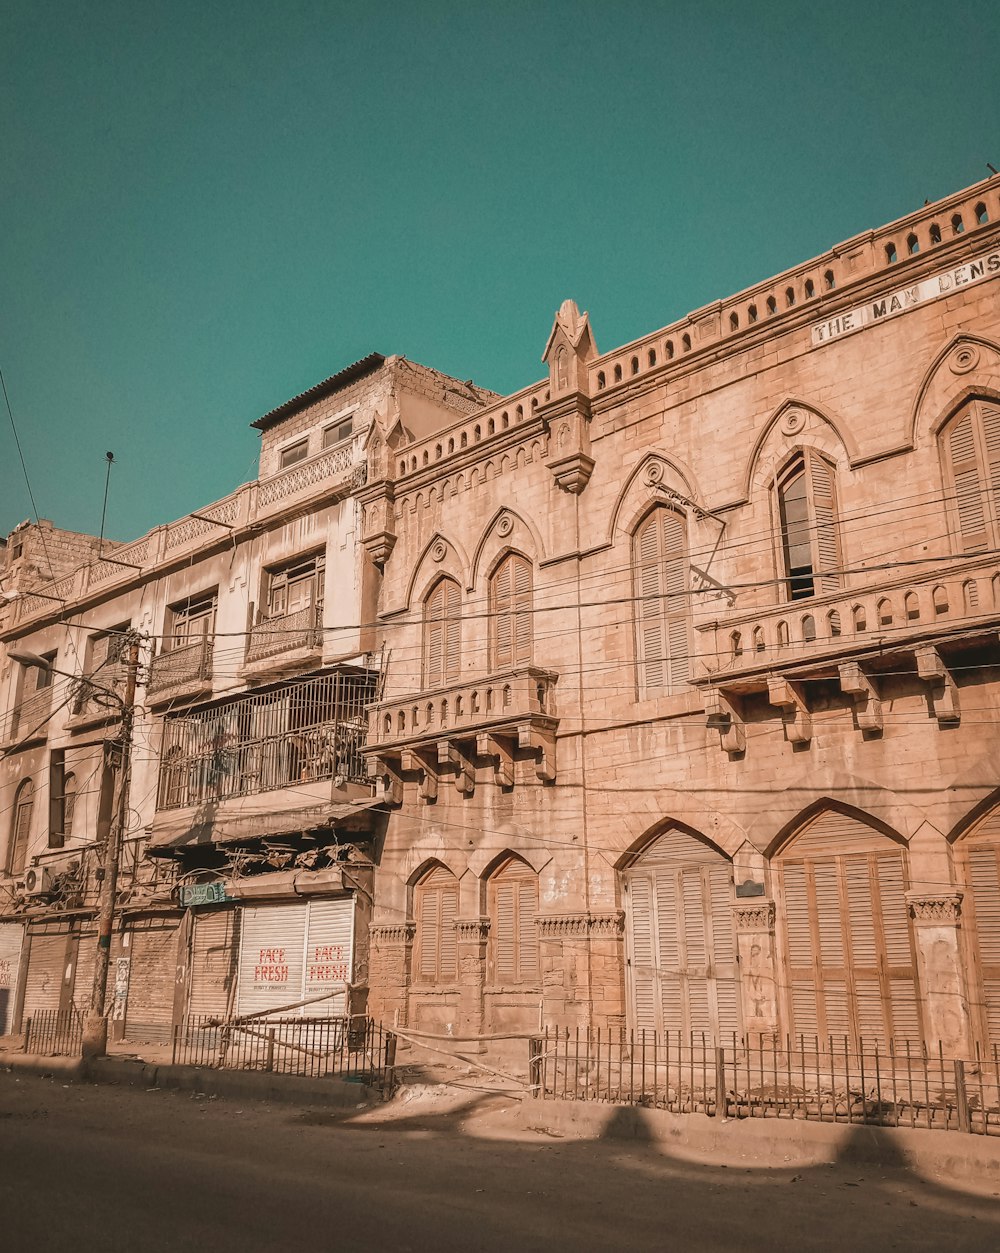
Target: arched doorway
{"x":682,"y":971}
{"x":849,"y":964}
{"x":978,"y":855}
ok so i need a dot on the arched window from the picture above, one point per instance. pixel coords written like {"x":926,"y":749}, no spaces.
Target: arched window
{"x":982,"y":216}
{"x":510,"y":613}
{"x":807,"y":511}
{"x":957,"y":225}
{"x":772,"y":305}
{"x":912,"y":245}
{"x":970,"y":450}
{"x":911,"y":604}
{"x":442,"y":634}
{"x":513,"y":903}
{"x":20,"y":830}
{"x":830,"y":280}
{"x":752,"y":313}
{"x":935,"y":233}
{"x":686,"y":342}
{"x":890,"y":253}
{"x":435,"y":909}
{"x":833,"y":622}
{"x":659,"y":562}
{"x":734,"y":321}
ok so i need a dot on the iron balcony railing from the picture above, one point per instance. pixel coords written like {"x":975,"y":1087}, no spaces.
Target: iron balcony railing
{"x":302,"y":731}
{"x":280,"y":635}
{"x":187,"y":663}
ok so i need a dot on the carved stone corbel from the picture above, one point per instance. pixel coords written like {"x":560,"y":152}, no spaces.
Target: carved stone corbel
{"x":788,"y":697}
{"x":543,"y":745}
{"x":867,"y":705}
{"x":449,"y":754}
{"x":384,"y":772}
{"x":723,"y":714}
{"x":943,"y":689}
{"x":497,"y":750}
{"x":424,"y":763}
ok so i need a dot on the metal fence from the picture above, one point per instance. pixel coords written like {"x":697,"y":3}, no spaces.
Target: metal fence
{"x":54,"y":1033}
{"x":357,"y":1049}
{"x":831,"y":1080}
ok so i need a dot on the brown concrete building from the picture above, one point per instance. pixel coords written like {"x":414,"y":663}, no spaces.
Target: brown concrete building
{"x":692,"y":685}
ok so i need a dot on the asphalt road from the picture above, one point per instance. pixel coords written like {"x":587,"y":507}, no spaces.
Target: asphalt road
{"x":98,"y":1168}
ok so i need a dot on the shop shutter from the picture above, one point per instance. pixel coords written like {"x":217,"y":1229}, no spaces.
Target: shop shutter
{"x":212,"y":978}
{"x":47,"y":960}
{"x":981,"y":910}
{"x":272,"y":949}
{"x":848,"y":947}
{"x":329,"y":955}
{"x":682,"y":947}
{"x":11,"y":938}
{"x":83,"y":973}
{"x":152,"y":953}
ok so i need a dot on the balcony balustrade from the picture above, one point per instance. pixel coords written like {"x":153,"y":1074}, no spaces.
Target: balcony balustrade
{"x":29,"y":718}
{"x":284,"y":634}
{"x":179,"y":667}
{"x":490,"y":720}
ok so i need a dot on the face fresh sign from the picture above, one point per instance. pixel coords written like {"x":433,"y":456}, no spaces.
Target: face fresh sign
{"x":884,"y":307}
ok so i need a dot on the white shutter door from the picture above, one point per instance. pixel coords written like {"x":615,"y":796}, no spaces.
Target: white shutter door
{"x":213,"y":962}
{"x":329,"y":964}
{"x":152,"y":953}
{"x":272,"y":949}
{"x":642,"y":971}
{"x":47,"y":959}
{"x":11,"y":937}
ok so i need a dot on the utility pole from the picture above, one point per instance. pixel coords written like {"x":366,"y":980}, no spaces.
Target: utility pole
{"x":95,"y":1027}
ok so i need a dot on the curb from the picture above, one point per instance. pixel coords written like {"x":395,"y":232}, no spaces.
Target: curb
{"x":248,"y":1085}
{"x":771,"y":1141}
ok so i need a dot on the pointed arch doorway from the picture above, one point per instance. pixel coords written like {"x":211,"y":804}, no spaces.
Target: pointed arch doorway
{"x":681,"y":945}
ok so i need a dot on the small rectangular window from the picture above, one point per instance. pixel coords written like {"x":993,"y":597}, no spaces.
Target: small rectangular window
{"x":189,"y":621}
{"x":337,"y":433}
{"x":294,"y":453}
{"x":296,"y":587}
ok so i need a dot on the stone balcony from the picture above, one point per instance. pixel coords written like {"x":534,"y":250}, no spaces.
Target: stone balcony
{"x":27,"y":721}
{"x":291,"y":642}
{"x":494,"y":721}
{"x":922,"y":621}
{"x":182,"y":671}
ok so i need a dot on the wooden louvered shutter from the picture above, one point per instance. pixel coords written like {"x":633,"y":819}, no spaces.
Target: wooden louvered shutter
{"x":662,"y":609}
{"x":982,"y":910}
{"x":514,"y":893}
{"x":826,"y":547}
{"x":428,"y":927}
{"x":990,"y":416}
{"x":523,"y":631}
{"x":966,"y":473}
{"x":512,"y":628}
{"x":442,"y":634}
{"x":642,"y":970}
{"x":437,"y":910}
{"x":503,"y":929}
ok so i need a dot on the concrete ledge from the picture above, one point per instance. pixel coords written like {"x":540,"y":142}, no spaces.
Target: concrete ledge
{"x":244,"y":1085}
{"x":771,"y":1141}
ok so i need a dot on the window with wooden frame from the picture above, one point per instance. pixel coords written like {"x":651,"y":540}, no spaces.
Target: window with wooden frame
{"x":105,"y":666}
{"x":338,"y":432}
{"x":68,"y":803}
{"x":435,"y":910}
{"x":296,"y":587}
{"x":512,"y":894}
{"x":442,"y":633}
{"x":970,"y":452}
{"x":511,"y":613}
{"x":20,"y":830}
{"x":189,"y":622}
{"x":293,"y":454}
{"x":662,"y":605}
{"x":806,"y":500}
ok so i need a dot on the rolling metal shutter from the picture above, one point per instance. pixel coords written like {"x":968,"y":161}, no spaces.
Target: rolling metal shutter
{"x":83,"y":974}
{"x":47,"y":960}
{"x":291,"y":952}
{"x":980,"y":855}
{"x":152,"y":950}
{"x":11,"y":936}
{"x":682,"y":973}
{"x":212,"y":984}
{"x":850,"y":965}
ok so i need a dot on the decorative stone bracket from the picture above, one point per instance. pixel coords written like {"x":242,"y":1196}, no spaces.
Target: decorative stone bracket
{"x":937,"y":907}
{"x":867,"y":705}
{"x":450,"y":754}
{"x":724,"y":715}
{"x":384,"y":772}
{"x":543,"y":744}
{"x":788,"y":697}
{"x":424,"y":763}
{"x":943,"y":689}
{"x":756,"y":916}
{"x":497,"y":750}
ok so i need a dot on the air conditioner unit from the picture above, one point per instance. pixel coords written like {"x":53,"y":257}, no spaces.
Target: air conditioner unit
{"x":39,"y":881}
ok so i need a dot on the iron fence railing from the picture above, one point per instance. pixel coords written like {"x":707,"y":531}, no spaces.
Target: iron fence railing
{"x":54,"y":1033}
{"x":300,"y":732}
{"x":356,"y":1048}
{"x":830,"y":1080}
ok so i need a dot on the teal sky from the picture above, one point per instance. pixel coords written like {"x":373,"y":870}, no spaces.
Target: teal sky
{"x":206,"y":207}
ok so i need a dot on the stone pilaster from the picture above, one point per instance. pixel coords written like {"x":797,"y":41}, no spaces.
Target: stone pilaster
{"x":389,"y":971}
{"x":582,"y":967}
{"x":472,"y":936}
{"x":753,"y":921}
{"x":936,"y":918}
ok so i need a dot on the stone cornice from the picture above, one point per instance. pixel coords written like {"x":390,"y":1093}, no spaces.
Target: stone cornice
{"x":387,"y":934}
{"x":558,"y":926}
{"x":934,"y":907}
{"x":757,"y":915}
